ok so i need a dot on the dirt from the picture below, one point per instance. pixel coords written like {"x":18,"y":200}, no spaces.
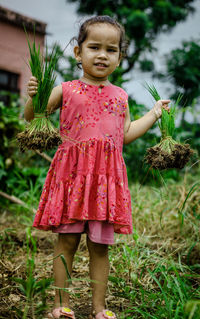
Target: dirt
{"x":159,"y":159}
{"x":43,"y":140}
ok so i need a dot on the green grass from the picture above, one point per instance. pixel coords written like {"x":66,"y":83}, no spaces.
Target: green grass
{"x":43,"y":68}
{"x":167,"y":121}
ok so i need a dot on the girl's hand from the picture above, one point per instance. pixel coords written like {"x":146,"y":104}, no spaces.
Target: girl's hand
{"x":157,"y":109}
{"x":32,"y":86}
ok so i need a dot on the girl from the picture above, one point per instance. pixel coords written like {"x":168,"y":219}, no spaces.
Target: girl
{"x":86,"y":188}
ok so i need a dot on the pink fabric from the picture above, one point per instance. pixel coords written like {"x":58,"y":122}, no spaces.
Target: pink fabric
{"x":87,"y":179}
{"x":98,"y":232}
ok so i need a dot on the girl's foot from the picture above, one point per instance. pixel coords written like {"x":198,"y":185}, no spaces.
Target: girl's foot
{"x":104,"y":314}
{"x":61,"y":312}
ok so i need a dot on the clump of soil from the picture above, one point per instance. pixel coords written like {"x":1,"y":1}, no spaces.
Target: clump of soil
{"x":39,"y":135}
{"x":161,"y":159}
{"x":38,"y":141}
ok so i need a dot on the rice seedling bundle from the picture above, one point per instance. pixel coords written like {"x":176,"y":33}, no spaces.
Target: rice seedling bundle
{"x":40,"y":134}
{"x":168,"y":153}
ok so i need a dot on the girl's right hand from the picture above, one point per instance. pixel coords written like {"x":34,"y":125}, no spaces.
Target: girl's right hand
{"x":32,"y":86}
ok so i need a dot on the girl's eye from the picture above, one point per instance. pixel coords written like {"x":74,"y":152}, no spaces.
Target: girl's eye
{"x":94,"y":48}
{"x":112,"y":50}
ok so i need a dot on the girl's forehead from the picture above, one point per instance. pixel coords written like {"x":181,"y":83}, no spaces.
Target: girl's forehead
{"x":103,"y":31}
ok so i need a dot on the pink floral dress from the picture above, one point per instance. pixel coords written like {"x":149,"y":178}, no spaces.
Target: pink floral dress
{"x":87,"y":179}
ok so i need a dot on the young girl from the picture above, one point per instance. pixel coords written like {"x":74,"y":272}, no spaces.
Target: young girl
{"x":86,"y":188}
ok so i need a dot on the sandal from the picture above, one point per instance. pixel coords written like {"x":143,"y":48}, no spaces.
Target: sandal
{"x":61,"y":312}
{"x":104,"y":314}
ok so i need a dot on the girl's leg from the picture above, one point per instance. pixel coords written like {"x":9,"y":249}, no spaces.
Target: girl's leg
{"x":99,"y":270}
{"x":67,"y":245}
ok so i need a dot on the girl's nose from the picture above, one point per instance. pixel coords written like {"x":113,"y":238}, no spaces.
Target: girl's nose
{"x":102,"y":54}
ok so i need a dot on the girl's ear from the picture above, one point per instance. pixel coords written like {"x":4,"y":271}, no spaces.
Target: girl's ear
{"x":77,"y":53}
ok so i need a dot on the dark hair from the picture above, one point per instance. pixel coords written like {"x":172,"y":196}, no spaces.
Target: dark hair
{"x":83,"y":31}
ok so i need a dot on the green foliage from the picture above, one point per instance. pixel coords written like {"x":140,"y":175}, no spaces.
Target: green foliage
{"x":10,"y":124}
{"x":21,"y":175}
{"x":146,"y":65}
{"x":183,"y":66}
{"x":189,"y":132}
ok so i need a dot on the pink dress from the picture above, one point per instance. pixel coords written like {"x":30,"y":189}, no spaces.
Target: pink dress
{"x":87,"y":179}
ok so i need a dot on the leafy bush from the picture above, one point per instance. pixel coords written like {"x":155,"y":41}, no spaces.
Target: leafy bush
{"x":21,"y":174}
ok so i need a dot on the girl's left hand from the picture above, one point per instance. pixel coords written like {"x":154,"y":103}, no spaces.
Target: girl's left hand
{"x":157,"y":109}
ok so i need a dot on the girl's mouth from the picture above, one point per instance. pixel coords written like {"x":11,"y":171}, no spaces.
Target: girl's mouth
{"x":100,"y":65}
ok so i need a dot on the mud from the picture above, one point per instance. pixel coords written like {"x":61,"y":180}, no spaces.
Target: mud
{"x":160,"y":159}
{"x":39,"y":140}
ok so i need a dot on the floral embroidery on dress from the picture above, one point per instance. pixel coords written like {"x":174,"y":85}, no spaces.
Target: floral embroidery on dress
{"x":80,"y":121}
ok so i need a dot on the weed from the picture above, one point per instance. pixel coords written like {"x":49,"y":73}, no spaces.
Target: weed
{"x":31,"y":287}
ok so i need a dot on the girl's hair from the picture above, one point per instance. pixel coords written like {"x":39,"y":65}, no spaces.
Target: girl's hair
{"x":83,"y":31}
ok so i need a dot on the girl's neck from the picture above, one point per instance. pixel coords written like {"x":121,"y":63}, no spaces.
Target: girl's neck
{"x":95,"y":82}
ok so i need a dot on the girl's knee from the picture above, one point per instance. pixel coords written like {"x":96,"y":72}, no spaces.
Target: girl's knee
{"x":96,"y":248}
{"x":69,"y":242}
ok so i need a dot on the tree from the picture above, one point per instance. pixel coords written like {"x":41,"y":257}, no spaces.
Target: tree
{"x":183,"y":65}
{"x":143,"y":21}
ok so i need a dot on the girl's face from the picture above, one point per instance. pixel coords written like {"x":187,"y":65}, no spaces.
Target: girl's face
{"x":99,"y":53}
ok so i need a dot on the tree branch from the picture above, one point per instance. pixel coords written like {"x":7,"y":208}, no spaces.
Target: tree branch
{"x":15,"y":200}
{"x":45,"y":156}
{"x":132,"y":60}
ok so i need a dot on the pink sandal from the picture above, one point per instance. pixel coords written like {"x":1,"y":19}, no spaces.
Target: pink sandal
{"x":62,"y":312}
{"x":104,"y":314}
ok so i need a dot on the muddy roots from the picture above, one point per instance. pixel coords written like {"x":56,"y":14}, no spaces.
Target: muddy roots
{"x":38,"y":140}
{"x":161,"y":159}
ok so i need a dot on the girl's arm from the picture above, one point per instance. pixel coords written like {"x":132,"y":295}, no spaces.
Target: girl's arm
{"x":55,"y":99}
{"x":135,"y":129}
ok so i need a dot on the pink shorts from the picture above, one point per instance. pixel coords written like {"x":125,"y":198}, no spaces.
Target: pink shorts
{"x":100,"y":232}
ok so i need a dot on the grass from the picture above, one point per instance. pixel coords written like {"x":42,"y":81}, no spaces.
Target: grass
{"x":43,"y":68}
{"x":155,"y":273}
{"x":167,"y":121}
